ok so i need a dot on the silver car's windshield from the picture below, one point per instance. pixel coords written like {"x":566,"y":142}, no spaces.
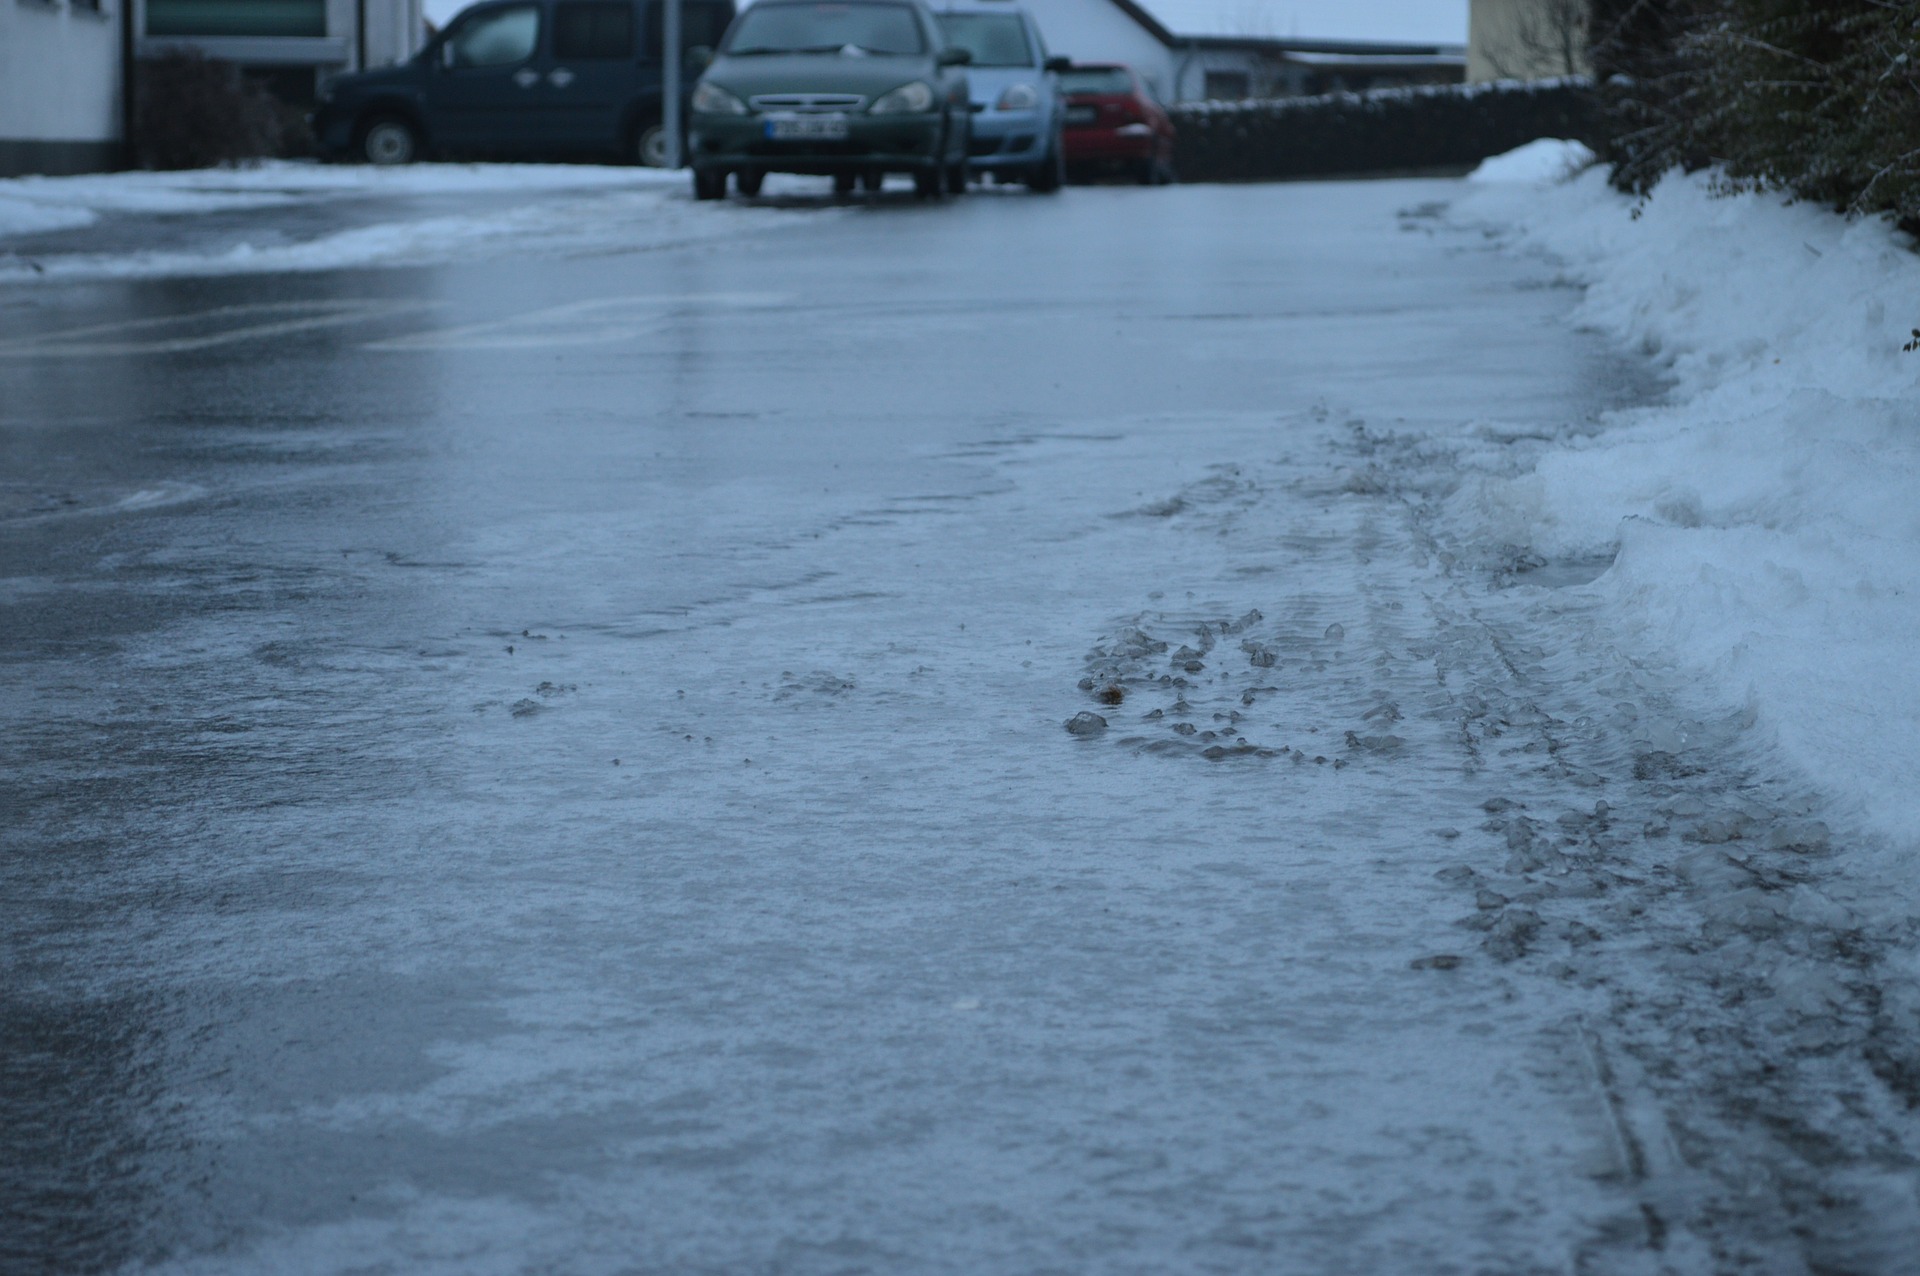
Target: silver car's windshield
{"x":827,"y":28}
{"x":994,"y":39}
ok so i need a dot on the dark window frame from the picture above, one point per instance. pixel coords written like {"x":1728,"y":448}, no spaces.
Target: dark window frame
{"x":594,"y":44}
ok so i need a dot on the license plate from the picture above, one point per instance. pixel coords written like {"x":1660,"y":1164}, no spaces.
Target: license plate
{"x":807,"y":128}
{"x":1082,"y":114}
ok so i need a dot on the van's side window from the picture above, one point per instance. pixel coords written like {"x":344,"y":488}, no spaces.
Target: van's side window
{"x":499,"y":37}
{"x":584,"y":29}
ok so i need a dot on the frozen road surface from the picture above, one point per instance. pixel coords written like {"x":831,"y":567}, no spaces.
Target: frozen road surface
{"x":558,"y":762}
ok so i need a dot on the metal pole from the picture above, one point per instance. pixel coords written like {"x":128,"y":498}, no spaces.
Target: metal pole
{"x":670,"y":80}
{"x":129,"y":88}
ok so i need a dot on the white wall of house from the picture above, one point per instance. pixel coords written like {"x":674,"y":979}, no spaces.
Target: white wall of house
{"x":395,"y":31}
{"x":59,"y":85}
{"x":1526,"y":39}
{"x":1101,"y":31}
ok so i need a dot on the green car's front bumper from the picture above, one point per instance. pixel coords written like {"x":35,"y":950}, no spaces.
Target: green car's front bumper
{"x":896,"y":143}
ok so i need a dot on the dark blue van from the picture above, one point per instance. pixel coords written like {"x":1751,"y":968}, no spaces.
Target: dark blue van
{"x":522,"y":78}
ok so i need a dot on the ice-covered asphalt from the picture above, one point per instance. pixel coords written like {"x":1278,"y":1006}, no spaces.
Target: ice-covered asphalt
{"x":559,"y":762}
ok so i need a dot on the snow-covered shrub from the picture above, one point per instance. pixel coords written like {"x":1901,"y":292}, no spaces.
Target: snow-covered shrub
{"x":1817,"y":97}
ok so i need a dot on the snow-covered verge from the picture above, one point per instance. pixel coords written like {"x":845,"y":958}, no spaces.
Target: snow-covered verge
{"x":32,"y":204}
{"x":1765,"y":517}
{"x":527,"y":207}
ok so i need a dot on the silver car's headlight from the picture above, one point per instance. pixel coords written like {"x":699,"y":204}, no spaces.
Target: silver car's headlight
{"x":1019,"y":97}
{"x":711,"y":99}
{"x":908,"y":99}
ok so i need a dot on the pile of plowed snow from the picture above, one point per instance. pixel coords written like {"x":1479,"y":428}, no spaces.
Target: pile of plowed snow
{"x":1766,"y":515}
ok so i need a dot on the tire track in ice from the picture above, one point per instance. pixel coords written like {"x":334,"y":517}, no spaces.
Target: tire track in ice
{"x":1753,"y":1040}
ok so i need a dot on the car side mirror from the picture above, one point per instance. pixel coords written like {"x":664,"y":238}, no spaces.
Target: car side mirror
{"x":1057,"y":65}
{"x":700,"y":56}
{"x":954,"y":57}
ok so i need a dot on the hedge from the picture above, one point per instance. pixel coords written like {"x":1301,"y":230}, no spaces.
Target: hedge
{"x":1405,"y":130}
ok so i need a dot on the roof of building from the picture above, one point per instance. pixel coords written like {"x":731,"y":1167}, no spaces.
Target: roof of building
{"x":1419,"y":22}
{"x":1208,"y":32}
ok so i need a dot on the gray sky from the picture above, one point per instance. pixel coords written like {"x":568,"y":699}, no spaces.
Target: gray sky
{"x":1436,"y":21}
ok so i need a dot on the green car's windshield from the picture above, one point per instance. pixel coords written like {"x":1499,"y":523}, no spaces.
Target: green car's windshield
{"x":994,"y":39}
{"x":827,"y":28}
{"x":1097,"y":79}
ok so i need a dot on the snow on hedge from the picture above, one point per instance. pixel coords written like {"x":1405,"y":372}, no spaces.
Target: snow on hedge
{"x":1767,"y":514}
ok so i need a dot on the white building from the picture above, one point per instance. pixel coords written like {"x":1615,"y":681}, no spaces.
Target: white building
{"x":1185,"y":66}
{"x":292,"y":43}
{"x":60,"y":85}
{"x":65,"y":65}
{"x":1110,"y":31}
{"x":1526,"y":39}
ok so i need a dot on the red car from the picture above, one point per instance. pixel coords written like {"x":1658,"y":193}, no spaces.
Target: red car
{"x":1114,"y":125}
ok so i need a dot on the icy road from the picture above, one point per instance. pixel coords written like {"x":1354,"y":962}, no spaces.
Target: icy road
{"x":560,"y":763}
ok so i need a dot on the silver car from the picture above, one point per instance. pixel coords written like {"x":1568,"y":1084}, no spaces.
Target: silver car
{"x":1018,"y":114}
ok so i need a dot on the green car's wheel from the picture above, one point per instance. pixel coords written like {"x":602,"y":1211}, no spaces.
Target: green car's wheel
{"x":748,"y":180}
{"x":709,"y":183}
{"x":872,"y":180}
{"x":843,"y":183}
{"x":929,"y":183}
{"x":957,"y":178}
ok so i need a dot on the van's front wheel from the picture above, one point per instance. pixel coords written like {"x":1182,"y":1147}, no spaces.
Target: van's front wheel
{"x":650,"y":146}
{"x":388,"y":141}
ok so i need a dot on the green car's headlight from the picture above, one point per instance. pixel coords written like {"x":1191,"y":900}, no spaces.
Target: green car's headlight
{"x":908,"y":99}
{"x":711,"y":99}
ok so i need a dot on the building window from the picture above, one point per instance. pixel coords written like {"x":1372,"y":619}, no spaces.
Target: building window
{"x":1229,"y":86}
{"x":237,"y":17}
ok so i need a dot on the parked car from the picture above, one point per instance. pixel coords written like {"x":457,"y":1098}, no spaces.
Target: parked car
{"x":1016,"y":99}
{"x":852,"y":89}
{"x":520,"y":78}
{"x":1115,"y":125}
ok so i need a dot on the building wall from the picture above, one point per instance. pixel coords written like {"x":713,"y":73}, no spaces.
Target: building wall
{"x":1234,"y":74}
{"x":1100,"y":31}
{"x":59,"y":86}
{"x":1526,"y":39}
{"x":322,"y":34}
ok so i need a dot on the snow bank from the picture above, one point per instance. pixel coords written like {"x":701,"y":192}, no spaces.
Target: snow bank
{"x":565,"y":206}
{"x":1767,"y":516}
{"x":29,"y":205}
{"x":1541,"y":163}
{"x":28,"y":217}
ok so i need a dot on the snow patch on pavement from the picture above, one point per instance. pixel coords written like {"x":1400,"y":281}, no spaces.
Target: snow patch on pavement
{"x":1766,"y":516}
{"x":41,"y":203}
{"x":566,"y":207}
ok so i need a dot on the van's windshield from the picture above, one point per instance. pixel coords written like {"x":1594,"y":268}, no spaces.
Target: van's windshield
{"x":827,"y":28}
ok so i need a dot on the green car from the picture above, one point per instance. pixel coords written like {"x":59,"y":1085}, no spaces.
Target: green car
{"x":852,"y":89}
